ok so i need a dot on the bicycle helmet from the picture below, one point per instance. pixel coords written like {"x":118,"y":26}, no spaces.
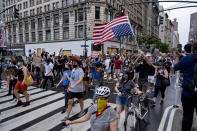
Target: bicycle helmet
{"x":103,"y":91}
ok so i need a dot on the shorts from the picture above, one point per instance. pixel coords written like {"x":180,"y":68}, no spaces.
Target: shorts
{"x":122,"y":100}
{"x":151,"y":79}
{"x":78,"y":95}
{"x":117,"y":71}
{"x":21,"y":87}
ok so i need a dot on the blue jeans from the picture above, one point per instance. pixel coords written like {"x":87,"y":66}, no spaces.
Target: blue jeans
{"x":96,"y":85}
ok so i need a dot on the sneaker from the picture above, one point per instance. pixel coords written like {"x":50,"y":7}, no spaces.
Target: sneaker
{"x":26,"y":104}
{"x":161,"y":103}
{"x":19,"y":103}
{"x":14,"y":100}
{"x":81,"y":114}
{"x":65,"y":118}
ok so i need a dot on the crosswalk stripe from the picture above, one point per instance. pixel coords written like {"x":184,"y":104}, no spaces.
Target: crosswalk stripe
{"x":4,"y":98}
{"x":9,"y":100}
{"x":32,"y":97}
{"x":54,"y":120}
{"x":13,"y":113}
{"x":18,"y":121}
{"x":85,"y":125}
{"x":11,"y":107}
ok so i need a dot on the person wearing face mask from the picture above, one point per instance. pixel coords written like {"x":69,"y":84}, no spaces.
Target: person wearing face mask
{"x":75,"y":88}
{"x":48,"y":73}
{"x":65,"y":84}
{"x":123,"y":88}
{"x":102,"y":116}
{"x":20,"y":85}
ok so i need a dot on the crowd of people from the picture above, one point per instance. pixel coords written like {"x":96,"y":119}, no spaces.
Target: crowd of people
{"x":139,"y":73}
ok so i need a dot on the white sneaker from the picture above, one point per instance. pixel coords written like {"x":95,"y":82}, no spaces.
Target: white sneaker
{"x":14,"y":100}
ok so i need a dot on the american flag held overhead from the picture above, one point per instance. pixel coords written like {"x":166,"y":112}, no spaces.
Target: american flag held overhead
{"x":114,"y":29}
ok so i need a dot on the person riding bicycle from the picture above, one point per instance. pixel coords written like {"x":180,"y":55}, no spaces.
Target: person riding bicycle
{"x":124,"y":88}
{"x":102,"y":116}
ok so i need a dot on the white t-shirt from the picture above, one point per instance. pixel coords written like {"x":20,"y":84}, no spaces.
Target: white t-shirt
{"x":48,"y":68}
{"x":107,"y":62}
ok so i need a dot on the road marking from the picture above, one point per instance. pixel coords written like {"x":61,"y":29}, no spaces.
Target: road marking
{"x":170,"y":122}
{"x":163,"y":120}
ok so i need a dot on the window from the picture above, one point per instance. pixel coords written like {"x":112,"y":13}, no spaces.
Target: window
{"x":75,"y":15}
{"x":26,"y":26}
{"x":14,"y":39}
{"x":40,"y":37}
{"x":75,"y":31}
{"x":33,"y":24}
{"x":67,"y":3}
{"x":41,"y":9}
{"x":53,"y":5}
{"x":57,"y":5}
{"x":14,"y":28}
{"x":65,"y":17}
{"x":56,"y":34}
{"x":48,"y":7}
{"x":63,"y":4}
{"x":26,"y":37}
{"x":80,"y":34}
{"x":48,"y":34}
{"x":39,"y":22}
{"x":31,"y":3}
{"x":33,"y":36}
{"x":21,"y":27}
{"x":56,"y":19}
{"x":66,"y":33}
{"x":21,"y":38}
{"x":48,"y":22}
{"x":74,"y":1}
{"x":80,"y":14}
{"x":97,"y":12}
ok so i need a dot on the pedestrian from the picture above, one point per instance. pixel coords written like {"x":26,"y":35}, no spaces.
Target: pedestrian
{"x":48,"y":73}
{"x":65,"y":83}
{"x":108,"y":67}
{"x":75,"y":88}
{"x":102,"y":116}
{"x":160,"y":74}
{"x":20,"y":85}
{"x":117,"y":67}
{"x":189,"y":95}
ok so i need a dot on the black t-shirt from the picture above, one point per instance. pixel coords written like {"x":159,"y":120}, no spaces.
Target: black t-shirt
{"x":151,"y":70}
{"x":143,"y":71}
{"x":125,"y":87}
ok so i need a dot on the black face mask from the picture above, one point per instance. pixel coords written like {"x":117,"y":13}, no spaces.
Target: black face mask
{"x":75,"y":66}
{"x":66,"y":69}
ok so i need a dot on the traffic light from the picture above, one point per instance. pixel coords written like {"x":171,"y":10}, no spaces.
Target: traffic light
{"x":122,"y":13}
{"x":161,"y":20}
{"x":16,"y":13}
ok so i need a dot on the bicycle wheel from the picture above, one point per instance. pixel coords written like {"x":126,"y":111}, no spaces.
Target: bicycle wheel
{"x":131,"y":122}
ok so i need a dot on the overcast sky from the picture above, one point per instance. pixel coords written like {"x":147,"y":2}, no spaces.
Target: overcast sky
{"x":183,"y":18}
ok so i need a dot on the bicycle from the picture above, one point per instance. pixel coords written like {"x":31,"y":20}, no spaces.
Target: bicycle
{"x":137,"y":113}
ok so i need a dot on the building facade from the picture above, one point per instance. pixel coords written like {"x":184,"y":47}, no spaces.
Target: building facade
{"x":2,"y":7}
{"x":66,"y":21}
{"x":193,"y":27}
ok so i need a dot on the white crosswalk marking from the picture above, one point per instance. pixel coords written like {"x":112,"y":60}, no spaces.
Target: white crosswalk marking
{"x":43,"y":114}
{"x":56,"y":119}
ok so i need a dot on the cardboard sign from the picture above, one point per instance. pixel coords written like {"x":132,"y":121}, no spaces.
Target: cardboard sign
{"x":37,"y":61}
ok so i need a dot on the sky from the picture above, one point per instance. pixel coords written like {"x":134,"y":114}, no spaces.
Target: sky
{"x":183,"y":18}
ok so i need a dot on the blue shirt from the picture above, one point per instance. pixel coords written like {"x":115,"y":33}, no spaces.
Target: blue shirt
{"x":186,"y":64}
{"x":97,"y":76}
{"x":65,"y":80}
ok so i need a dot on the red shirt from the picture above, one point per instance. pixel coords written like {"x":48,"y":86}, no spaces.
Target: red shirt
{"x":117,"y":64}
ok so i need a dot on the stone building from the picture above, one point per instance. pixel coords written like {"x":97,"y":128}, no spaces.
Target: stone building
{"x":193,"y":27}
{"x":52,"y":25}
{"x":2,"y":7}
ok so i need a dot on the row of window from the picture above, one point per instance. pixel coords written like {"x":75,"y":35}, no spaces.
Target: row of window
{"x":79,"y":33}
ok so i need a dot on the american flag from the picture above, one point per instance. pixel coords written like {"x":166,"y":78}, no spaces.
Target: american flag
{"x":114,"y":29}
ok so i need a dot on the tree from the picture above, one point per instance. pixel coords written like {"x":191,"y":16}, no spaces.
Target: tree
{"x":149,"y":40}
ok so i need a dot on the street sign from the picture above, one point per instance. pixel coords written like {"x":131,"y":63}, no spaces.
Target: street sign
{"x":84,"y":45}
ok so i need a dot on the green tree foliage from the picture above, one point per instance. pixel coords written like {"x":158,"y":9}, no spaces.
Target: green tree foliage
{"x":149,"y":40}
